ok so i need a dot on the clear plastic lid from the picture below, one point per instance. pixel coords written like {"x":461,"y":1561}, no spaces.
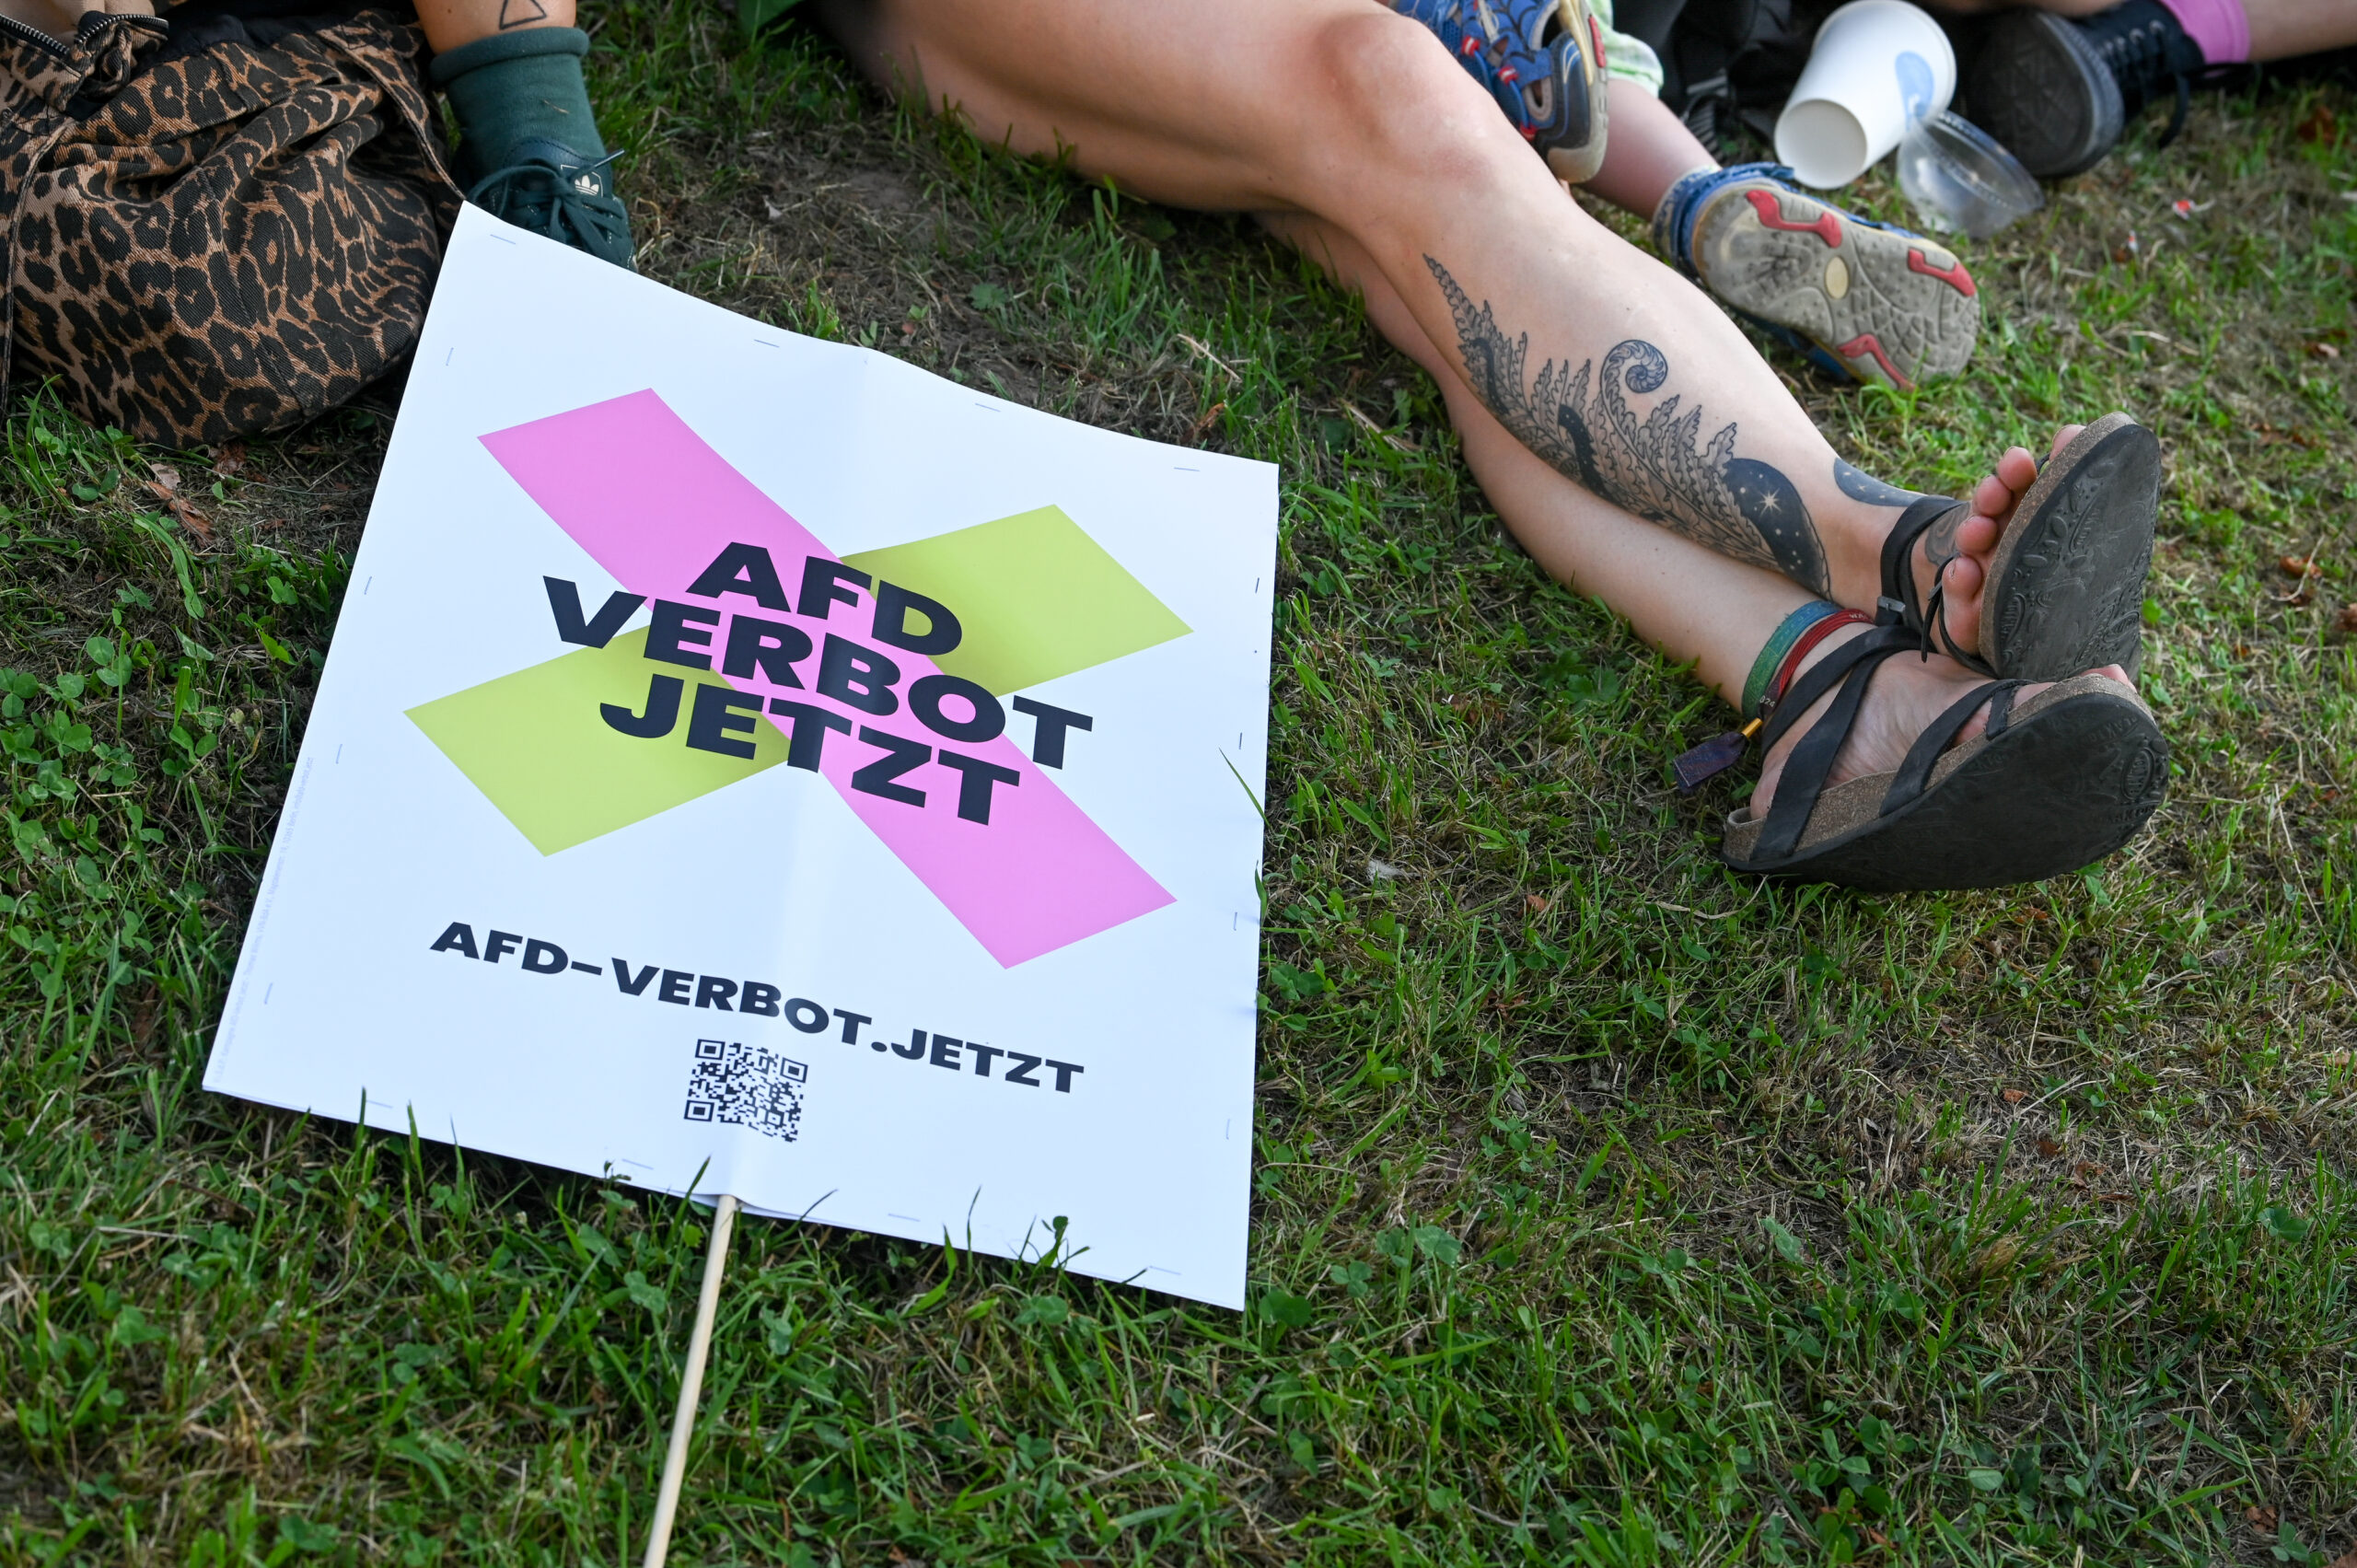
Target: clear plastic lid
{"x":1961,"y":178}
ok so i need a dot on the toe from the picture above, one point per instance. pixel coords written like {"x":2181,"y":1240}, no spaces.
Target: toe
{"x":2017,"y":470}
{"x":1994,"y":498}
{"x":1963,"y":553}
{"x":1960,"y":606}
{"x":1993,"y":501}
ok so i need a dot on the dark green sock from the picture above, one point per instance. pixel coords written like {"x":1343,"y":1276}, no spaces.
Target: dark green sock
{"x":518,"y":87}
{"x":529,"y":148}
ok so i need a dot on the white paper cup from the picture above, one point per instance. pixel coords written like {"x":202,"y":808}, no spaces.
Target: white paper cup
{"x":1877,"y":65}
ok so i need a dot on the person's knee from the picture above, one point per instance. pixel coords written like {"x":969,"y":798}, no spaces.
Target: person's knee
{"x":1391,"y":101}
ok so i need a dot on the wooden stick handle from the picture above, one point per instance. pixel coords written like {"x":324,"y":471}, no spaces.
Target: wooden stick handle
{"x":683,"y":1422}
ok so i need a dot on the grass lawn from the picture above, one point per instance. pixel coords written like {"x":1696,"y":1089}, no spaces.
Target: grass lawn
{"x":1611,"y":1209}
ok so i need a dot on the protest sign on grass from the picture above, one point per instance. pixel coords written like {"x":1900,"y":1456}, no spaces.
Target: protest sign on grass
{"x":749,"y":754}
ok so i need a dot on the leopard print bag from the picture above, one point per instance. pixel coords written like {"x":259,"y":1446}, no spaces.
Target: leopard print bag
{"x":219,"y":235}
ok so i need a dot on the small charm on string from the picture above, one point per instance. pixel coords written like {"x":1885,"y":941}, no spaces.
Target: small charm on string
{"x":1696,"y":767}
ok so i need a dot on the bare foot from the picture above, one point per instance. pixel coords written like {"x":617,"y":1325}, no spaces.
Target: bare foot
{"x":1956,"y":550}
{"x":1908,"y":693}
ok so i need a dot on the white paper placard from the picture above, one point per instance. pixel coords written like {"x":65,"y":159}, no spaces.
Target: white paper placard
{"x":749,"y":754}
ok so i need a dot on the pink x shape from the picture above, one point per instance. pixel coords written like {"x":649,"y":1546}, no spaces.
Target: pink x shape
{"x":653,"y":505}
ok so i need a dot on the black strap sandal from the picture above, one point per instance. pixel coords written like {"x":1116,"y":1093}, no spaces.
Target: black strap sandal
{"x":1927,"y":621}
{"x":2055,"y":782}
{"x":2065,"y":587}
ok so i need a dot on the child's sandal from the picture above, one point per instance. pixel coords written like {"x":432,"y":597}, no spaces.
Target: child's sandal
{"x":1542,"y":61}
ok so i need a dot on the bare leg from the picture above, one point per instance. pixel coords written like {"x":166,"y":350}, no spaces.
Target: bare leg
{"x":449,"y":23}
{"x":1339,"y":109}
{"x":1683,"y":590}
{"x":2280,"y":29}
{"x":2284,"y":29}
{"x":1689,"y":601}
{"x":1649,"y":150}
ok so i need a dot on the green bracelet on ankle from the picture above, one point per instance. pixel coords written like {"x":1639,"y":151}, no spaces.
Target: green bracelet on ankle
{"x":1780,"y":642}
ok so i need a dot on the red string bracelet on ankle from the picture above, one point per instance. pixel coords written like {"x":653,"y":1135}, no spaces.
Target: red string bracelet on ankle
{"x":1712,"y":757}
{"x":1792,"y":664}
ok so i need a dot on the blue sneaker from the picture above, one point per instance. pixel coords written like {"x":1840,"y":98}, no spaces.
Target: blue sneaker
{"x":1542,"y":60}
{"x":1863,"y":300}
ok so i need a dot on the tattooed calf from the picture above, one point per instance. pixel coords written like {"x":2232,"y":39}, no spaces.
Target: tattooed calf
{"x":1652,"y":465}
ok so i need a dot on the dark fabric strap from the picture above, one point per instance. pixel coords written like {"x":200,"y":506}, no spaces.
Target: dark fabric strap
{"x":1898,"y":596}
{"x":1810,"y":761}
{"x":1914,"y":774}
{"x":1812,"y":685}
{"x":1899,"y":548}
{"x":2000,"y":708}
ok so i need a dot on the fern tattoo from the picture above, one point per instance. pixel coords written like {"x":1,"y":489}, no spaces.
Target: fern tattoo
{"x":1656,"y":465}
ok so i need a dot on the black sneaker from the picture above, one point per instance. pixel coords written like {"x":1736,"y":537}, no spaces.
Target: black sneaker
{"x":549,"y":189}
{"x":2058,"y":92}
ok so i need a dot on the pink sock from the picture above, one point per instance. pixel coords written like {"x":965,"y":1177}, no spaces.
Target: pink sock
{"x":2218,"y":28}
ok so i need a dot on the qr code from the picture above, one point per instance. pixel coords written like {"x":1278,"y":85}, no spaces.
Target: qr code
{"x":745,"y":1086}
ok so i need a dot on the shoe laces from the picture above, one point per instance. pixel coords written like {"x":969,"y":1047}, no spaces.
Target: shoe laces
{"x":2143,"y":61}
{"x":566,"y":203}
